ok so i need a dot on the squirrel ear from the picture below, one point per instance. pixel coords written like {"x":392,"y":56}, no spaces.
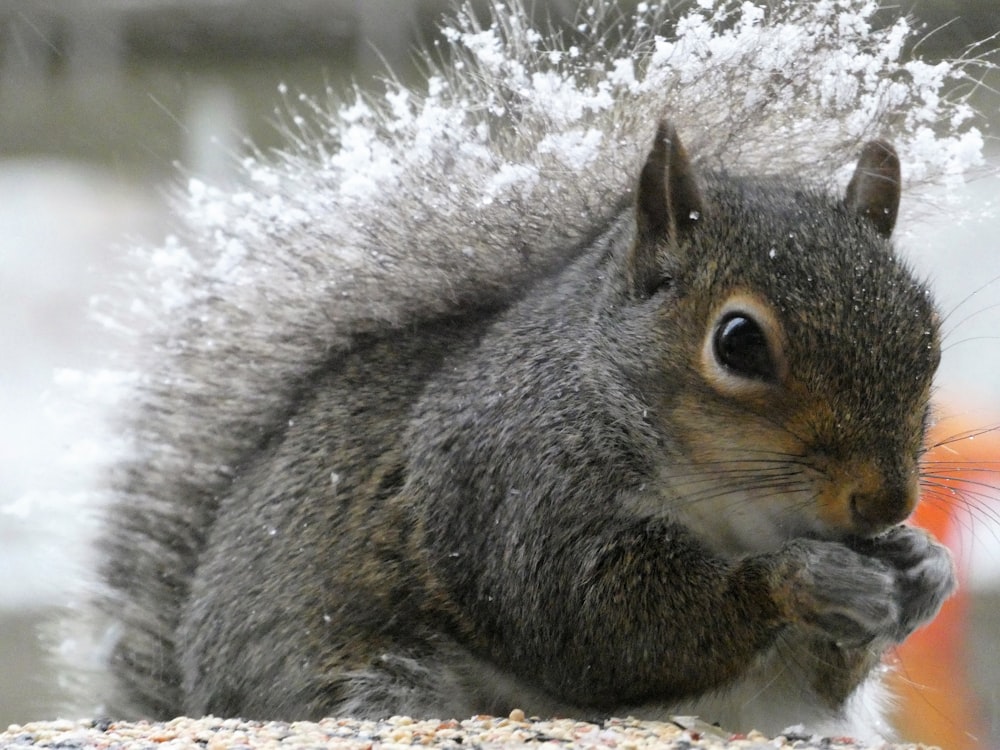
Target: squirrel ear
{"x":874,"y":189}
{"x":668,"y":204}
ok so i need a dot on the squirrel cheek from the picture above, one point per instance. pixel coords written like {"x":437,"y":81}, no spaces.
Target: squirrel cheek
{"x":859,"y":499}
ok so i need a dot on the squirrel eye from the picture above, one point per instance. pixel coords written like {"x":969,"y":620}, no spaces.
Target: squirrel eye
{"x":741,"y":347}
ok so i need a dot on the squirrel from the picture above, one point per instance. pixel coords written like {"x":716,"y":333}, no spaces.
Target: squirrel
{"x":662,"y":468}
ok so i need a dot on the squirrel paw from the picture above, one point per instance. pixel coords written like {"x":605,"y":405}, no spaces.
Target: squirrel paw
{"x":925,"y":573}
{"x":848,"y":596}
{"x":879,"y":589}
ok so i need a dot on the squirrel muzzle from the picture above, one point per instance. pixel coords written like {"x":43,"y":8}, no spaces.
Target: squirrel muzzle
{"x":864,"y":500}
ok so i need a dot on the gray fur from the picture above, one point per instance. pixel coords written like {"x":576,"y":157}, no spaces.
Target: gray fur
{"x":419,"y":452}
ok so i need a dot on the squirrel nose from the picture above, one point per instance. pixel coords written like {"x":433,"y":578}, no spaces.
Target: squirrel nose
{"x":865,"y":497}
{"x":875,"y":511}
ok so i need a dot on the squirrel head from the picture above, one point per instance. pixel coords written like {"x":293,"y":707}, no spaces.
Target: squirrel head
{"x":794,"y":351}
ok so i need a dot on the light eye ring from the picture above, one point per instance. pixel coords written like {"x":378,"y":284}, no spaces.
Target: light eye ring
{"x":744,"y":347}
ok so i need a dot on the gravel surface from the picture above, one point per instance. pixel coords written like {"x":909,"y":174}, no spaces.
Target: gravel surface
{"x":480,"y":732}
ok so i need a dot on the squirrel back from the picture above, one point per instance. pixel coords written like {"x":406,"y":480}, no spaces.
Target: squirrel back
{"x":303,"y":385}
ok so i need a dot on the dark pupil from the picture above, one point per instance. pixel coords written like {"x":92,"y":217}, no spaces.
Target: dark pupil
{"x":740,"y":346}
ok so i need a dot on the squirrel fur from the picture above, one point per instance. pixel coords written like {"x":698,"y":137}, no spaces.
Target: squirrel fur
{"x":647,"y":451}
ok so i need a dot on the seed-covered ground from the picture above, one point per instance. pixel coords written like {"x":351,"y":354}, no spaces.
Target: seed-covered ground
{"x":484,"y":732}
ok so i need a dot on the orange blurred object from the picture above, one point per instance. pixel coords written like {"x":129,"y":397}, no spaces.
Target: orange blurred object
{"x":937,"y":705}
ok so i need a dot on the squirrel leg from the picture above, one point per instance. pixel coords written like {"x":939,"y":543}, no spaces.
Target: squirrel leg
{"x":400,"y":683}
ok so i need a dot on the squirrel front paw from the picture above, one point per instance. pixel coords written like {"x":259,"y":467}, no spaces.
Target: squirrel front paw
{"x":925,"y":573}
{"x":849,"y":597}
{"x":868,"y":590}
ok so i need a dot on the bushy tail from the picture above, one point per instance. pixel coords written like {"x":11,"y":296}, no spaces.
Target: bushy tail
{"x":386,"y":211}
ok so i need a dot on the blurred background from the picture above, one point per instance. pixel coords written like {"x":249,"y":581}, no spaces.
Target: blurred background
{"x":101,"y":100}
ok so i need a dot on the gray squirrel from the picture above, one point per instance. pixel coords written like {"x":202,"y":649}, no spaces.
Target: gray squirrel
{"x":656,"y":460}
